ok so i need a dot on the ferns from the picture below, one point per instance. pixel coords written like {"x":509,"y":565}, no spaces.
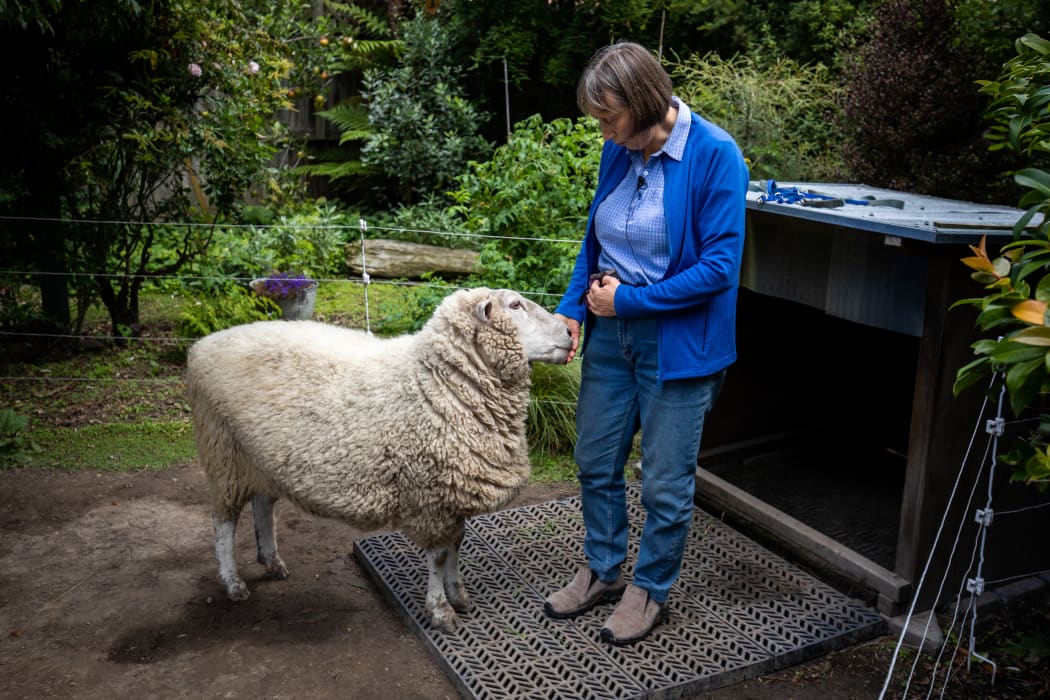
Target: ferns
{"x":352,"y":120}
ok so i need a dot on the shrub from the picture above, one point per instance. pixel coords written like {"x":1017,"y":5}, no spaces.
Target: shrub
{"x":1015,"y":307}
{"x":779,"y":112}
{"x":13,"y":440}
{"x":532,"y":198}
{"x":911,"y":113}
{"x":422,"y":129}
{"x":232,"y":306}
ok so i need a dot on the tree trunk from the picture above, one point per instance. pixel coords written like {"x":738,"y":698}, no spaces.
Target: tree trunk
{"x":47,"y":241}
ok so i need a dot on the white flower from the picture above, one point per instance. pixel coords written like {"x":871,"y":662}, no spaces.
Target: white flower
{"x":253,"y":67}
{"x":195,"y":70}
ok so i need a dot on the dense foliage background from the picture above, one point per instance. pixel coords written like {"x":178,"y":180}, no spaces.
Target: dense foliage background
{"x":214,"y":139}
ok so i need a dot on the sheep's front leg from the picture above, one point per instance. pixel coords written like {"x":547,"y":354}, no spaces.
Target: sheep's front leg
{"x":225,"y":537}
{"x":442,"y":615}
{"x":266,"y":537}
{"x":453,"y":581}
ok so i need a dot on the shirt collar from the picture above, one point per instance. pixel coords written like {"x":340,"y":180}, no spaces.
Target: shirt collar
{"x":675,"y":145}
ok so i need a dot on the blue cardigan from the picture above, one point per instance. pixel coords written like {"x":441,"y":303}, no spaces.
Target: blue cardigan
{"x":705,"y":198}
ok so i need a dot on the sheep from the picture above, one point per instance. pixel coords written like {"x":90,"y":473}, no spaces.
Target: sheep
{"x":417,"y":432}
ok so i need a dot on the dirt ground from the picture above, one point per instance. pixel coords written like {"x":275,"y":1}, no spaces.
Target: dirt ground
{"x":108,"y":589}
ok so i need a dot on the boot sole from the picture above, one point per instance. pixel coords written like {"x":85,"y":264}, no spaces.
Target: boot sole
{"x":607,"y":635}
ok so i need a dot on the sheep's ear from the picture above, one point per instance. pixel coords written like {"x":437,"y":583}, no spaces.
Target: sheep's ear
{"x":484,"y":310}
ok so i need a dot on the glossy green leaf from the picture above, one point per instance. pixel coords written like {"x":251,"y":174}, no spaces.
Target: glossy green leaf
{"x":1023,"y":380}
{"x":970,"y":374}
{"x":1011,"y":353}
{"x":1035,"y":179}
{"x":1036,"y":335}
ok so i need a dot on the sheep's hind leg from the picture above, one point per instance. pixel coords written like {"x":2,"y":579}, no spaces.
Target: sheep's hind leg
{"x":225,"y":538}
{"x":442,"y":614}
{"x":266,"y":537}
{"x":453,"y":581}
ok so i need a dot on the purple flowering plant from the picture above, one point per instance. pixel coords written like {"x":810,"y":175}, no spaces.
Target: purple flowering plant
{"x":282,"y":285}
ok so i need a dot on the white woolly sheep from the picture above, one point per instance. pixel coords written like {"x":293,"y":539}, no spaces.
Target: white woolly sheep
{"x":416,"y":433}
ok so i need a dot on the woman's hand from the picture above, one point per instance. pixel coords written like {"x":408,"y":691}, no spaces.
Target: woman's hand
{"x":601,"y":295}
{"x":574,"y":330}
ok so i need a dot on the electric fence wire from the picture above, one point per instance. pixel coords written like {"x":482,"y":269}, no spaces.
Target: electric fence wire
{"x":977,"y":554}
{"x":974,"y":585}
{"x":362,"y":227}
{"x":323,"y":227}
{"x":919,"y":588}
{"x":972,"y":580}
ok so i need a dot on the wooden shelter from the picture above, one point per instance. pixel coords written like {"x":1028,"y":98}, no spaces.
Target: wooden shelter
{"x":837,"y":436}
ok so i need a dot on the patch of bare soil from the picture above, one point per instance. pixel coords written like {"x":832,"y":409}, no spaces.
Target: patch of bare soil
{"x":108,"y":589}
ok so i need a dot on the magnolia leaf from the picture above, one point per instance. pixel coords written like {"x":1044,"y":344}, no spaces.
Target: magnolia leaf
{"x":1008,"y":352}
{"x":1035,"y":179}
{"x":1023,"y":381}
{"x":1032,"y":263}
{"x":980,"y":250}
{"x":970,"y":374}
{"x":1035,"y":335}
{"x":985,"y":346}
{"x":978,"y":263}
{"x":1030,"y":311}
{"x":1035,"y":43}
{"x":1001,"y":266}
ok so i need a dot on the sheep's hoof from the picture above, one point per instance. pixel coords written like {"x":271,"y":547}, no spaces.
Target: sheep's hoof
{"x":237,"y":590}
{"x":443,"y":617}
{"x":276,"y":569}
{"x":460,"y":600}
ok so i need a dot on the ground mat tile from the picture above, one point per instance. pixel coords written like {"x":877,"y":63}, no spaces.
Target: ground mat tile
{"x":738,"y":611}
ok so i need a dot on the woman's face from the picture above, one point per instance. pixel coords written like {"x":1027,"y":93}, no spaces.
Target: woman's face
{"x":618,"y":126}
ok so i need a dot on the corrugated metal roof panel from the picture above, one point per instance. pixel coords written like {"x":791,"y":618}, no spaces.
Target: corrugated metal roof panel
{"x":918,"y":217}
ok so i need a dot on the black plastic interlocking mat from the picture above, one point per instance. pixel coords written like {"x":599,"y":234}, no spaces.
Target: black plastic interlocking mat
{"x":736,"y":612}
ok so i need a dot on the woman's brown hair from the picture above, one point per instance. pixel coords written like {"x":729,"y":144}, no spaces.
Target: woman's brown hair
{"x":632,"y":76}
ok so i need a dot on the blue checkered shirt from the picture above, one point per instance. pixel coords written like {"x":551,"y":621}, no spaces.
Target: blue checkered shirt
{"x":630,"y":222}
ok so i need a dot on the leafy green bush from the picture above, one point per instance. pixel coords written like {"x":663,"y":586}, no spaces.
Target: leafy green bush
{"x":231,"y":307}
{"x":911,"y":115}
{"x":1016,"y":305}
{"x":310,"y":242}
{"x":532,"y":198}
{"x":429,"y":221}
{"x":1021,"y":123}
{"x":13,"y":440}
{"x":778,"y":111}
{"x":422,"y":129}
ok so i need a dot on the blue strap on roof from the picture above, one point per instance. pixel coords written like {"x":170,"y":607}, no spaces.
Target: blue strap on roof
{"x":810,"y":198}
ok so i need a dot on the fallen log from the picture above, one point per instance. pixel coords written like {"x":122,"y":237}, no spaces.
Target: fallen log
{"x":390,"y":259}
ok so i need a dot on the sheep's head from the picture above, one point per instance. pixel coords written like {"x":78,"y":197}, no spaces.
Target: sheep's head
{"x":502,"y":329}
{"x":543,"y":337}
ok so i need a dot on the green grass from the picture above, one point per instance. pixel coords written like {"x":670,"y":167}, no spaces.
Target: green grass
{"x":551,"y":469}
{"x":115,"y":446}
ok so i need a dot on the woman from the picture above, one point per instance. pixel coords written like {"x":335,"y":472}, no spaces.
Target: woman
{"x":666,"y":228}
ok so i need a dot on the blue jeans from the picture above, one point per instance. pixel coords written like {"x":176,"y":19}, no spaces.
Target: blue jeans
{"x":619,"y":394}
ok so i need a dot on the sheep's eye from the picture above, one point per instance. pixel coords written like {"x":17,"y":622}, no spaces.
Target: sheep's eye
{"x":515,"y":304}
